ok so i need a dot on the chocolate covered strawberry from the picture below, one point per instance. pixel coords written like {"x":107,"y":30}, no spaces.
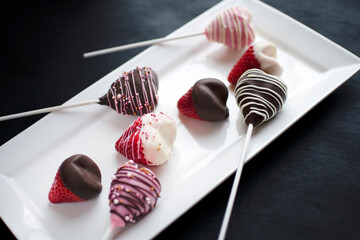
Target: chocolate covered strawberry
{"x":148,"y":140}
{"x":77,"y":179}
{"x":206,"y":100}
{"x":260,"y":55}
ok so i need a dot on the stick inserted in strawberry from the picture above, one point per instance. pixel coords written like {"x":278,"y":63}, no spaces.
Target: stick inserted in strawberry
{"x":232,"y":27}
{"x":260,"y":97}
{"x":134,"y":192}
{"x":133,"y":93}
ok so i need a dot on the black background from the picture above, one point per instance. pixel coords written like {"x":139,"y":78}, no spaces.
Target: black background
{"x":305,"y":185}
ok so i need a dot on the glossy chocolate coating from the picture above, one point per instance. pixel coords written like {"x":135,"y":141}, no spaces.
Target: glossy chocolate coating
{"x":259,"y":95}
{"x":81,"y":176}
{"x":134,"y":93}
{"x":209,"y":97}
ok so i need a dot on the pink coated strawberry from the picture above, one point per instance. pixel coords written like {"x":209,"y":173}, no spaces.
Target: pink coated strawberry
{"x":246,"y":62}
{"x":60,"y":194}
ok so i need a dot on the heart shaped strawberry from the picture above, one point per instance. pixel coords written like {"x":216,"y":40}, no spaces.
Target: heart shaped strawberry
{"x":261,"y":55}
{"x":260,"y":96}
{"x":148,"y":140}
{"x":206,"y":100}
{"x":77,"y":179}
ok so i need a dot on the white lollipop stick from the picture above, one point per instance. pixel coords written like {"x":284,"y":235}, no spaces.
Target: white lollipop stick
{"x":235,"y":185}
{"x":108,"y":234}
{"x":46,"y":110}
{"x":111,"y":233}
{"x":232,"y":28}
{"x":138,"y":44}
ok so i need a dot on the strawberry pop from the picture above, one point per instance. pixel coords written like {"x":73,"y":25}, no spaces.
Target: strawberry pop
{"x":233,"y":28}
{"x":260,"y":97}
{"x":133,"y":93}
{"x":148,"y":140}
{"x":133,"y":193}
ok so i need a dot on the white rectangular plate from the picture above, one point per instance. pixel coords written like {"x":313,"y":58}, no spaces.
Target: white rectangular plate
{"x":205,"y":154}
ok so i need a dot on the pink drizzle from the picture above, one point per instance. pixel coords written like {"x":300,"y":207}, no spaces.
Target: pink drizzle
{"x":233,"y":28}
{"x":133,"y":194}
{"x":125,"y":93}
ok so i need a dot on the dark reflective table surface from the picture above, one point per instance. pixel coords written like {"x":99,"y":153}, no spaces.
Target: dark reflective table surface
{"x":304,"y":185}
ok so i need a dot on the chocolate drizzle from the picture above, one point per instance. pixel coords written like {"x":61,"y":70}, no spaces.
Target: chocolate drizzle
{"x":209,"y":97}
{"x":134,"y":93}
{"x":133,"y":193}
{"x":259,"y":95}
{"x":81,"y":176}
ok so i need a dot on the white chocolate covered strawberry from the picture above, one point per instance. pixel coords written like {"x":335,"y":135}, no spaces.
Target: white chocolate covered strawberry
{"x":149,"y":139}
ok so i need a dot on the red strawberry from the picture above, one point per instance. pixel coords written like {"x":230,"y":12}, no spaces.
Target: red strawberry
{"x":129,"y":144}
{"x":185,"y":105}
{"x":246,"y":62}
{"x":59,"y":193}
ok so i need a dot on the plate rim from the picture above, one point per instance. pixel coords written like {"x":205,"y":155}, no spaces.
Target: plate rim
{"x":338,"y":76}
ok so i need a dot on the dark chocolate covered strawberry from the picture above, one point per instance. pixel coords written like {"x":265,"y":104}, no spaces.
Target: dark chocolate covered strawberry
{"x":77,"y":179}
{"x":206,"y":100}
